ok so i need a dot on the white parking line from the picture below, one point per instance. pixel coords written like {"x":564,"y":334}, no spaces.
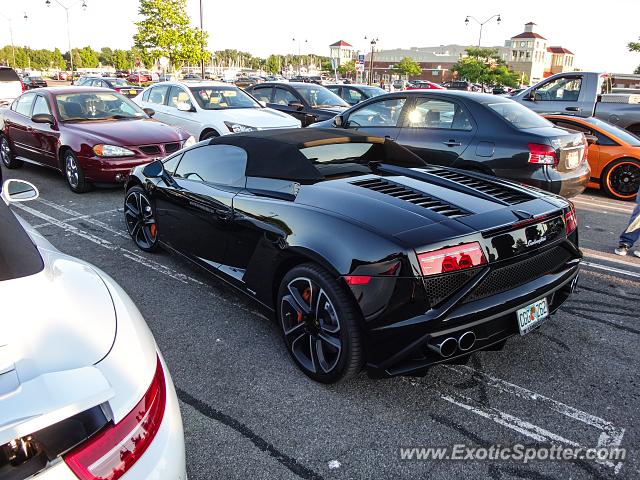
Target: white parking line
{"x":610,"y":436}
{"x":611,"y":269}
{"x":601,"y":206}
{"x":78,"y":215}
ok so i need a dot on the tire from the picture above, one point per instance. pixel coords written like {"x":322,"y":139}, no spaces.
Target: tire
{"x":6,"y":154}
{"x":210,"y":134}
{"x":73,"y":173}
{"x":621,"y":179}
{"x":327,"y":346}
{"x":140,"y":219}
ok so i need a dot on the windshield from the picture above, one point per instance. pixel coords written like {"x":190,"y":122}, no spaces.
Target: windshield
{"x":373,"y":91}
{"x":318,"y":96}
{"x":86,"y":106}
{"x":119,"y":82}
{"x":518,"y":115}
{"x":622,"y":134}
{"x":18,"y":255}
{"x":222,"y":98}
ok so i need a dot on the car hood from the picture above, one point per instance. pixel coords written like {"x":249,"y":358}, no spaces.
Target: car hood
{"x":60,"y":319}
{"x":127,"y":132}
{"x":262,"y":118}
{"x":407,"y":203}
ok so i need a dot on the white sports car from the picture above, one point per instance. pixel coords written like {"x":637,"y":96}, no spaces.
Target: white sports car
{"x":210,"y":109}
{"x":84,"y":391}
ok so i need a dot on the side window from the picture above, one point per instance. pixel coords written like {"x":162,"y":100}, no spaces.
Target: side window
{"x":561,"y":89}
{"x":23,"y":104}
{"x":41,"y":106}
{"x":440,"y":114}
{"x":178,"y":95}
{"x":220,"y":164}
{"x":158,"y":94}
{"x":573,"y":126}
{"x":351,"y":95}
{"x":384,"y":113}
{"x":262,"y":94}
{"x":284,"y":97}
{"x":171,"y":163}
{"x":145,"y":95}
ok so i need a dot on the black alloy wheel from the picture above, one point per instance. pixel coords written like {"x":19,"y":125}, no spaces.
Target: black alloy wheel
{"x":621,"y":179}
{"x":6,"y":154}
{"x":320,"y":324}
{"x":139,"y":215}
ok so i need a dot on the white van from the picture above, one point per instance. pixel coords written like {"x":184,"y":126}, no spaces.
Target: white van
{"x":10,"y":86}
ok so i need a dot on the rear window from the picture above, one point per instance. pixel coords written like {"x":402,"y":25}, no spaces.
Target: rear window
{"x":8,"y":75}
{"x":622,"y":134}
{"x":518,"y":115}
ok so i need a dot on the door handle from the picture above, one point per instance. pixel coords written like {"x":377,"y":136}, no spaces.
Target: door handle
{"x":572,"y":109}
{"x":452,"y":143}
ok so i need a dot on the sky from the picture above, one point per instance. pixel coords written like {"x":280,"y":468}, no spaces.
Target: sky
{"x":598,"y":36}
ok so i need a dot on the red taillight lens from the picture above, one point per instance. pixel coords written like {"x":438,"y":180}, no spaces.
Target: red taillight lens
{"x":22,"y":85}
{"x":112,"y":451}
{"x":118,"y":90}
{"x":451,"y":259}
{"x":542,"y":154}
{"x":571,"y":221}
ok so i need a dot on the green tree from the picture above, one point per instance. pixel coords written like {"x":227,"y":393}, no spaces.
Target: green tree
{"x":165,"y":30}
{"x":273,"y":64}
{"x":105,"y":56}
{"x":121,"y":60}
{"x":57,"y":60}
{"x":347,"y":69}
{"x":88,"y":57}
{"x":635,"y":47}
{"x":485,"y":66}
{"x":407,"y":66}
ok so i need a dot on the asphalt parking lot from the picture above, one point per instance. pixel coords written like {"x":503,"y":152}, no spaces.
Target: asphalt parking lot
{"x":249,"y":413}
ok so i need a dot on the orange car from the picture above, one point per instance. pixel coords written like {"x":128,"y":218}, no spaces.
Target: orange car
{"x":614,"y":155}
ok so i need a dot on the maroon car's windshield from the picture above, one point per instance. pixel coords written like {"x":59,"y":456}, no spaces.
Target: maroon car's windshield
{"x":86,"y":106}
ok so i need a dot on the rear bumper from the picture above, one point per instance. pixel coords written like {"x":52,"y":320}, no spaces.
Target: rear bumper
{"x":401,"y":348}
{"x":568,"y":184}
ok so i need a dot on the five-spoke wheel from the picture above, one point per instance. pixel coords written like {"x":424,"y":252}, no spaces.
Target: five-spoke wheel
{"x":139,"y":216}
{"x":319,"y":324}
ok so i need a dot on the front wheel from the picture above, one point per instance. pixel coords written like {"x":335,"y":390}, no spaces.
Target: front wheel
{"x":621,"y":179}
{"x":140,"y":217}
{"x":74,"y":174}
{"x":320,"y":324}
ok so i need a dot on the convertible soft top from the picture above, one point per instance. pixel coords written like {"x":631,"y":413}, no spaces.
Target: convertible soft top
{"x":276,"y":153}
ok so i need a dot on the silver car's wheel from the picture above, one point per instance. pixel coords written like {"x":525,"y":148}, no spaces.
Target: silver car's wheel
{"x":71,"y":168}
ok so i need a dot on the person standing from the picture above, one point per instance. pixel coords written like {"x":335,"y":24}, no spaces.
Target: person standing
{"x":632,"y":232}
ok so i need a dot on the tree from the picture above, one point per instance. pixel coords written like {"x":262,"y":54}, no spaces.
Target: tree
{"x":348,"y":69}
{"x":105,"y":57}
{"x":121,"y":60}
{"x":165,"y":31}
{"x":88,"y":58}
{"x":57,"y":60}
{"x":635,"y":47}
{"x":485,"y":66}
{"x":407,"y":66}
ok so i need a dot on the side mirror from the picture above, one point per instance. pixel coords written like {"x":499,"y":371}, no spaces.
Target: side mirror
{"x":149,"y":111}
{"x":185,"y":107}
{"x":15,"y":190}
{"x":154,"y":169}
{"x":591,"y":139}
{"x":338,"y":121}
{"x":43,"y":118}
{"x":297,"y":105}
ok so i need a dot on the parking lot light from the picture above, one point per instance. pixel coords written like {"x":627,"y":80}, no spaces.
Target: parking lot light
{"x":67,"y":8}
{"x":469,"y":17}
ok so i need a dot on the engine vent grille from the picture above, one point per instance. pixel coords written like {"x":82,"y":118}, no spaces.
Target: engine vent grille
{"x":506,"y":194}
{"x":410,"y":195}
{"x":150,"y":149}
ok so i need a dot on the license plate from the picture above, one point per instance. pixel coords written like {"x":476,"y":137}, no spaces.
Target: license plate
{"x":532,"y":316}
{"x":573,"y":159}
{"x":132,"y":92}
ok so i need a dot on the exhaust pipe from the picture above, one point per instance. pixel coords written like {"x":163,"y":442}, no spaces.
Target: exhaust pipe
{"x":445,"y":348}
{"x":466,"y":341}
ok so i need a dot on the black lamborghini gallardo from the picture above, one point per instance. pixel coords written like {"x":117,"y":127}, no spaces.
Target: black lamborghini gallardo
{"x":366,"y":255}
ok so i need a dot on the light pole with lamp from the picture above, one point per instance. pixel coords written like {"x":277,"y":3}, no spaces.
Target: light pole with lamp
{"x":13,"y":48}
{"x":66,"y":9}
{"x":469,"y":17}
{"x":299,"y":51}
{"x":201,"y":43}
{"x":374,"y":41}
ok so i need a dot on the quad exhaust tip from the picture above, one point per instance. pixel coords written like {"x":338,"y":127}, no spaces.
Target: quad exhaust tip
{"x":445,"y":348}
{"x":466,"y":341}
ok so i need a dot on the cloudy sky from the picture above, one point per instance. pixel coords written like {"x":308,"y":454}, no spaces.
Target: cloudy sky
{"x":598,"y":36}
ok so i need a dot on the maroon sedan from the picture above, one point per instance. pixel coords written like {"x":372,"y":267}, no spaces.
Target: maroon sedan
{"x":91,"y":135}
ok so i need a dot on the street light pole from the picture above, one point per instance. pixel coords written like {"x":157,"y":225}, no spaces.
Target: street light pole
{"x":13,"y":48}
{"x":67,"y":8}
{"x":299,"y":52}
{"x":201,"y":42}
{"x":469,"y":17}
{"x":374,"y":40}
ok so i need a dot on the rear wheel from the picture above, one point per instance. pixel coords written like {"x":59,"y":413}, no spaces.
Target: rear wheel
{"x":74,"y":174}
{"x":621,"y":179}
{"x":140,"y":217}
{"x":8,"y":159}
{"x":320,"y":324}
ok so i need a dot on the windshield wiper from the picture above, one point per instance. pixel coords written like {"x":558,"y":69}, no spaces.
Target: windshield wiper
{"x":120,"y":117}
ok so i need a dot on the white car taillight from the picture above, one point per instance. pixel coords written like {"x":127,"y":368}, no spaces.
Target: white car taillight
{"x":111,"y":452}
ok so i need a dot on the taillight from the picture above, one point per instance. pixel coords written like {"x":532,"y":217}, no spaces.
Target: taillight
{"x":570,"y":220}
{"x":22,"y":85}
{"x":118,"y":90}
{"x":542,"y":154}
{"x":112,"y":452}
{"x":585,"y":156}
{"x":451,"y":259}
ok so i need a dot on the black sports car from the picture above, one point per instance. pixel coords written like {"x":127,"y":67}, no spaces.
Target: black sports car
{"x":367,"y":255}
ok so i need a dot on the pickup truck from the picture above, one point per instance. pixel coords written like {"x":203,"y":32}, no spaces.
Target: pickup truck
{"x":585,"y":94}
